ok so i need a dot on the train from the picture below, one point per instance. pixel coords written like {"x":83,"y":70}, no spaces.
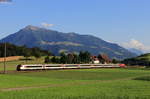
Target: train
{"x":65,"y":66}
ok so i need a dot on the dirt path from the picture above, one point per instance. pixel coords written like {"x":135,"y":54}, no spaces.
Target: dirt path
{"x":64,"y":84}
{"x":46,"y":86}
{"x":12,"y":58}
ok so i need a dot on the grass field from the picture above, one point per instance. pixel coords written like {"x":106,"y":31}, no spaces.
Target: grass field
{"x":75,"y":84}
{"x":11,"y":65}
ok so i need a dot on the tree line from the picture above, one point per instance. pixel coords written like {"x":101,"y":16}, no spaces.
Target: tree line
{"x":136,"y":62}
{"x":13,"y":50}
{"x":142,"y":60}
{"x":70,"y":58}
{"x":82,"y":58}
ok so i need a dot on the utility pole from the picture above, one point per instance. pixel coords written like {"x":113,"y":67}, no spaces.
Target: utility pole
{"x":5,"y":58}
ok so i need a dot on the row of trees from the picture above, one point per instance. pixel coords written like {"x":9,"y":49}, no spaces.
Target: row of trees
{"x":103,"y":58}
{"x":137,"y":62}
{"x":81,"y":58}
{"x":13,"y":50}
{"x":71,"y":58}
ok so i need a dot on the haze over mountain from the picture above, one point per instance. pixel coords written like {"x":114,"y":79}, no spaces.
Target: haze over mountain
{"x":136,"y":51}
{"x":57,"y":42}
{"x":136,"y":46}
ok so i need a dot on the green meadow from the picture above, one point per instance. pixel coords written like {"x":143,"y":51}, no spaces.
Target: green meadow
{"x":123,"y":83}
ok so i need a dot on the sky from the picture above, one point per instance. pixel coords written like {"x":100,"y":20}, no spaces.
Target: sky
{"x":126,"y":22}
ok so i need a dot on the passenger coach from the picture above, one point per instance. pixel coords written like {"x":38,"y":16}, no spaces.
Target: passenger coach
{"x":66,"y":66}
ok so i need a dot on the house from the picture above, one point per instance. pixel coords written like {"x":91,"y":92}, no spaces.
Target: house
{"x":95,"y":60}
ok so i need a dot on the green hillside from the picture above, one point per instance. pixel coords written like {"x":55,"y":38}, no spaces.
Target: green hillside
{"x":145,"y":57}
{"x":143,"y":60}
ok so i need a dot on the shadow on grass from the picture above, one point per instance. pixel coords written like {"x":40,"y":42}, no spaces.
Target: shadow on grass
{"x":26,"y":59}
{"x":144,"y":78}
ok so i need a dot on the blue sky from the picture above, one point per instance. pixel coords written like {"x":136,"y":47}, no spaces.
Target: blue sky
{"x":112,"y":20}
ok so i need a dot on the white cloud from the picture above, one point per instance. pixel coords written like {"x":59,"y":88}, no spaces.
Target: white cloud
{"x":46,"y":25}
{"x":137,"y":45}
{"x":5,"y":1}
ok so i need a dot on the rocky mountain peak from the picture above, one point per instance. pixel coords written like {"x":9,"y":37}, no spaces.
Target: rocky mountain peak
{"x":31,"y":27}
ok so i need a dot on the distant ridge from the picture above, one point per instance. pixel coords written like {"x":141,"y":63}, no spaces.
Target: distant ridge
{"x":57,"y":42}
{"x":142,"y":60}
{"x":137,"y":51}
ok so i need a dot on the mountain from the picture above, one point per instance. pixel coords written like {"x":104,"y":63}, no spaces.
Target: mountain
{"x":136,"y":51}
{"x":57,"y":42}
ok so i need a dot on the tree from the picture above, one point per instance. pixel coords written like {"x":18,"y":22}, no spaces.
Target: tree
{"x":70,"y":58}
{"x":53,"y":59}
{"x":100,"y":58}
{"x":37,"y":54}
{"x":114,"y":61}
{"x":103,"y":58}
{"x":26,"y":53}
{"x":85,"y":57}
{"x":47,"y":59}
{"x":75,"y":59}
{"x":63,"y":58}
